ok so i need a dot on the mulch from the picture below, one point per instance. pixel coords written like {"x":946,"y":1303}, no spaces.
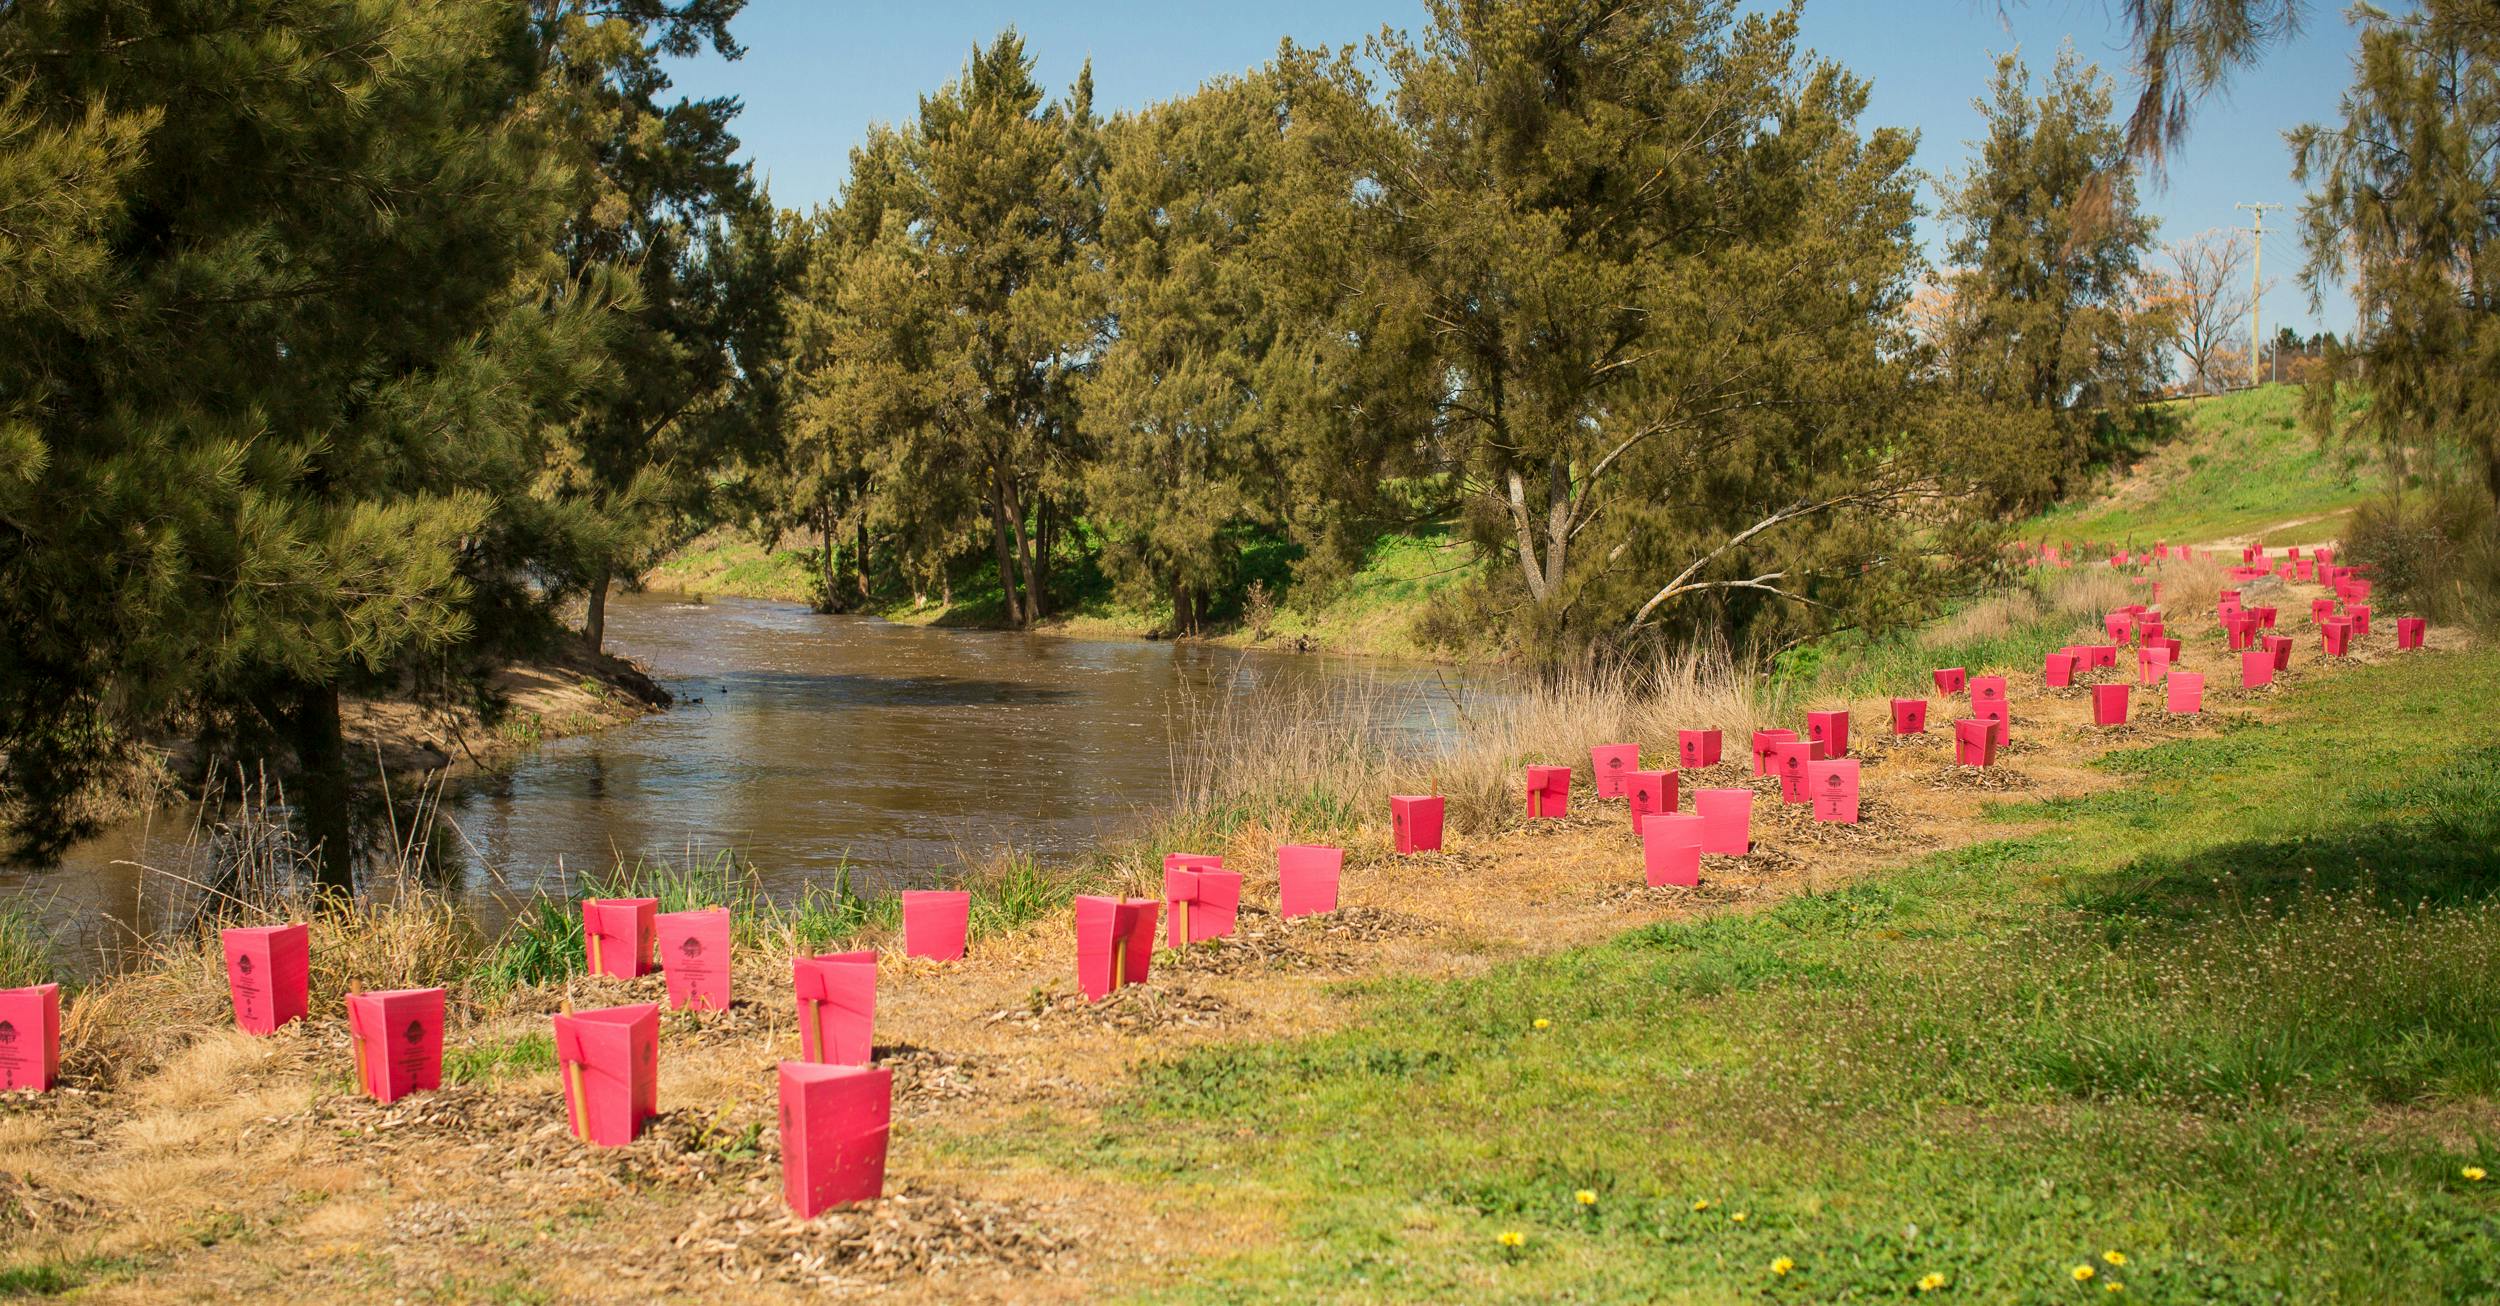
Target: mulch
{"x":1978,"y":779}
{"x":1151,"y":1008}
{"x":1263,"y":942}
{"x":908,"y":1234}
{"x":1879,"y":826}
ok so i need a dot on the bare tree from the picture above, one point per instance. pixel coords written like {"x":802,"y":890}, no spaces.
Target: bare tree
{"x":2209,"y":282}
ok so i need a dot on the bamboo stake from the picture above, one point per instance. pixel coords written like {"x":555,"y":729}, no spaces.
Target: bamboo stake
{"x":356,"y":1040}
{"x":816,"y":1017}
{"x":1180,"y":922}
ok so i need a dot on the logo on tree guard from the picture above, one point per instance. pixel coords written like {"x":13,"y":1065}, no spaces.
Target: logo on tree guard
{"x":692,"y":947}
{"x":416,"y":1031}
{"x":1831,"y":781}
{"x":8,"y":1032}
{"x":1614,"y":764}
{"x":244,"y":963}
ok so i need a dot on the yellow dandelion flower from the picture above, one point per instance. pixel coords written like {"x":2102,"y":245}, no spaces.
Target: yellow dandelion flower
{"x":1543,"y":1023}
{"x":2082,"y":1273}
{"x":1739,"y":1217}
{"x":1701,"y":1203}
{"x":2113,"y":1286}
{"x":2114,"y":1257}
{"x":1930,"y":1282}
{"x":2473,"y":1174}
{"x":1512,"y":1238}
{"x":1585,"y":1197}
{"x":1783,"y":1265}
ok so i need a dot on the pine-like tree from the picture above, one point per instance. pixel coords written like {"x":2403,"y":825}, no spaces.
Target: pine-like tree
{"x":269,"y":360}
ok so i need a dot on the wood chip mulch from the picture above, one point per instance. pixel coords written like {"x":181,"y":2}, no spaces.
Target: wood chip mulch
{"x":1264,"y":942}
{"x":1879,"y":826}
{"x":1153,"y":1007}
{"x":1978,"y":779}
{"x":906,"y":1235}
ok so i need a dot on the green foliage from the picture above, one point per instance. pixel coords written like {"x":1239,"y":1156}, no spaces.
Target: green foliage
{"x":480,"y":1063}
{"x":2180,"y":1021}
{"x":2435,"y":554}
{"x":241,"y":460}
{"x":2046,"y":320}
{"x":2406,"y":201}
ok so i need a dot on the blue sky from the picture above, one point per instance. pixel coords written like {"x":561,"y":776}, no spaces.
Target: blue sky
{"x":818,"y":72}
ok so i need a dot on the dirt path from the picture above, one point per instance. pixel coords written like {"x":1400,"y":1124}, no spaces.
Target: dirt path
{"x":243,"y":1168}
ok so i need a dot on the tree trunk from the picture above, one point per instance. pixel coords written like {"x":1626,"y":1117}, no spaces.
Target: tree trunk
{"x":594,"y":621}
{"x":321,"y":791}
{"x":827,"y":564}
{"x":859,"y":555}
{"x":1035,"y":605}
{"x":1006,"y":552}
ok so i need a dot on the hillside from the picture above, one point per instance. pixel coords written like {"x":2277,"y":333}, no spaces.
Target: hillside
{"x":2240,"y":470}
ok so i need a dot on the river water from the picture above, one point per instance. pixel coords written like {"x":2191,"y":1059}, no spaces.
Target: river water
{"x":810,"y":745}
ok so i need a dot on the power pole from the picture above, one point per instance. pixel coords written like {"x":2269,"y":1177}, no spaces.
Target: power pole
{"x":2256,"y":288}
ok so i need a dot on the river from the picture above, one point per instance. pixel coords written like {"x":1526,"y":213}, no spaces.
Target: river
{"x":809,"y":744}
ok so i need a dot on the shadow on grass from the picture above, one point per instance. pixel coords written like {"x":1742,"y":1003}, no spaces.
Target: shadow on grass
{"x":2432,"y":839}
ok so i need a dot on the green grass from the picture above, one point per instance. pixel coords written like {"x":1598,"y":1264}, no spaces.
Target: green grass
{"x":2240,"y":464}
{"x":2237,"y":1019}
{"x":724,"y":562}
{"x":484,"y":1062}
{"x":25,"y":952}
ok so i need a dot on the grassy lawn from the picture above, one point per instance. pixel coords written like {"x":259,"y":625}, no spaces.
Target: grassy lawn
{"x":2235,"y":1019}
{"x":2241,"y":464}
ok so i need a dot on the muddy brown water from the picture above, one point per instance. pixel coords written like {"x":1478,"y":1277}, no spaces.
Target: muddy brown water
{"x":816,"y":747}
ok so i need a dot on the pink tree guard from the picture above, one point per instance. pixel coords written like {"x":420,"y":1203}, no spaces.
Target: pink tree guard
{"x":935,"y":923}
{"x":834,"y":1124}
{"x":398,"y":1035}
{"x":837,"y":1001}
{"x":1306,"y":879}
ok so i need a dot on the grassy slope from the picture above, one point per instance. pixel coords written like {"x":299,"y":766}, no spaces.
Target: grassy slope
{"x":2241,"y":465}
{"x":2247,"y":1042}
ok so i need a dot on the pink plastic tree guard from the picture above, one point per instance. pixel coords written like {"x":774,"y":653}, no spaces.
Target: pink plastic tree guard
{"x":2360,"y":614}
{"x":1763,"y":742}
{"x":834,"y":1123}
{"x":1203,"y":904}
{"x":2281,"y":647}
{"x":1609,"y":763}
{"x":1788,"y":762}
{"x":1974,"y":742}
{"x":610,"y":1061}
{"x":1416,"y":819}
{"x":1950,"y":680}
{"x":2109,"y":704}
{"x":2000,"y":718}
{"x":1649,"y":793}
{"x":1833,"y":783}
{"x":837,"y":1000}
{"x":2057,"y":670}
{"x":1987,"y":689}
{"x":1306,"y":879}
{"x":1697,"y":748}
{"x":1726,"y":821}
{"x":619,"y":935}
{"x":30,"y":1039}
{"x":2256,"y":668}
{"x":694,"y":955}
{"x":2186,"y":693}
{"x":269,"y":971}
{"x":2151,"y":664}
{"x":1549,"y":792}
{"x":935,"y":922}
{"x":2409,"y":632}
{"x":1909,"y":716}
{"x":398,"y":1034}
{"x":1671,"y":849}
{"x":1828,"y":732}
{"x":1114,"y":943}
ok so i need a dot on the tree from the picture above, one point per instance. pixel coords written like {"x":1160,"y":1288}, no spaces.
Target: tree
{"x":656,"y":190}
{"x":269,"y":360}
{"x":2051,"y":323}
{"x":2208,"y":294}
{"x":2407,"y":192}
{"x":1647,"y":282}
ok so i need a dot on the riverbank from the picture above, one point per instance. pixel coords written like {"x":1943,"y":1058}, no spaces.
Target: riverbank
{"x":2113,"y":996}
{"x":1372,"y":614}
{"x":410,"y":739}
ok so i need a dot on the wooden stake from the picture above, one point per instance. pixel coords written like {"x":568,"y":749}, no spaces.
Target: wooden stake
{"x":595,"y":967}
{"x":574,"y":1108}
{"x":1119,"y":965}
{"x":356,"y":1040}
{"x":814,"y":1034}
{"x":1180,"y":922}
